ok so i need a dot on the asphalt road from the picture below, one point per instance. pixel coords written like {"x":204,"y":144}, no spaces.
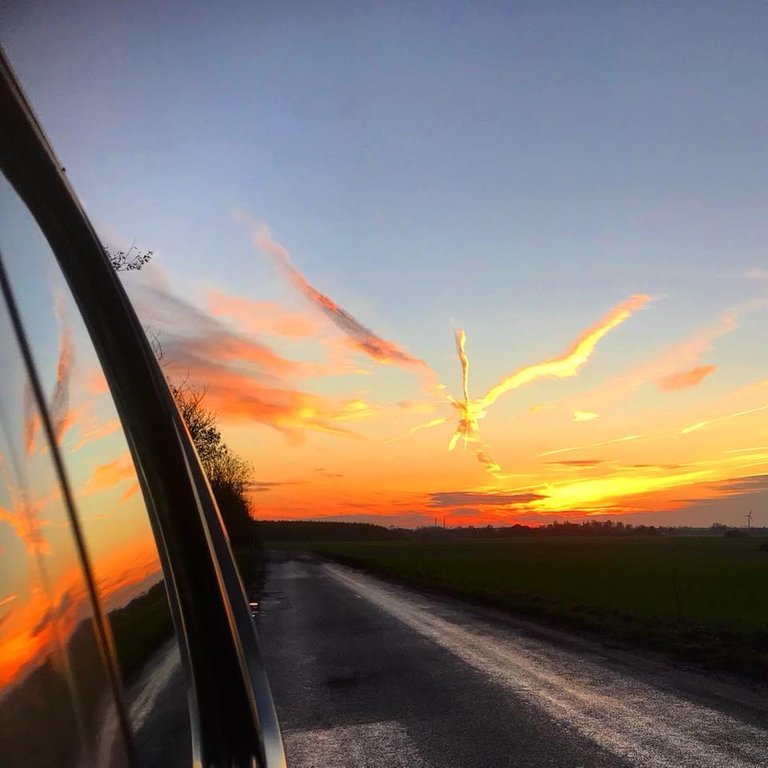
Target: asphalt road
{"x":367,"y":673}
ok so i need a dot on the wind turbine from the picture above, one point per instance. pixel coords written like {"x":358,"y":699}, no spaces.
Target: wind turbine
{"x":749,"y":519}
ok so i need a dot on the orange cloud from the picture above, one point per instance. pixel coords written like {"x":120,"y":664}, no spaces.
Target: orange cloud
{"x":96,"y":384}
{"x":27,"y":524}
{"x":108,"y":476}
{"x":32,"y":422}
{"x":685,"y":379}
{"x":243,"y":378}
{"x":668,"y":363}
{"x":262,"y":316}
{"x":707,"y":422}
{"x":61,"y":416}
{"x":98,"y":432}
{"x":35,"y":628}
{"x":290,"y":411}
{"x":624,"y":439}
{"x":364,"y":339}
{"x":43,"y":620}
{"x":24,"y":516}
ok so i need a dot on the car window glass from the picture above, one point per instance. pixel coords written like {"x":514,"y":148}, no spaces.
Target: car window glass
{"x":55,"y":694}
{"x":109,"y":502}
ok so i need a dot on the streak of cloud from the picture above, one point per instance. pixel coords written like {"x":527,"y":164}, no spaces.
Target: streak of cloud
{"x":24,"y":515}
{"x":701,"y":424}
{"x":112,"y":474}
{"x":8,"y":599}
{"x":101,"y":430}
{"x":477,"y":498}
{"x":96,"y":384}
{"x":61,"y":417}
{"x":262,"y":316}
{"x":685,"y":379}
{"x":418,"y":428}
{"x":575,"y":357}
{"x":585,"y":415}
{"x":32,"y":421}
{"x":624,"y":439}
{"x":363,"y":338}
{"x":28,"y":526}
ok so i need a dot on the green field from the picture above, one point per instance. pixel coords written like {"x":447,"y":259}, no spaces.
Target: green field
{"x":704,"y":599}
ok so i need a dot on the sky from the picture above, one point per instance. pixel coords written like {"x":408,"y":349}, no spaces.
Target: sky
{"x":351,"y":203}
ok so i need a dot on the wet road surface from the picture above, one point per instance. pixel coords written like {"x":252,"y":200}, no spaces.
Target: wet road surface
{"x":367,"y":673}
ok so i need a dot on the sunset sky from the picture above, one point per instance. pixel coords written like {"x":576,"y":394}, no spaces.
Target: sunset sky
{"x":349,"y":204}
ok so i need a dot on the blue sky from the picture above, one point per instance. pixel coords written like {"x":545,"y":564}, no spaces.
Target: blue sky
{"x":512,"y":168}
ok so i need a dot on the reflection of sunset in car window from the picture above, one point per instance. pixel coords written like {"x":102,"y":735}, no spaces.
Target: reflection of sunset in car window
{"x":46,"y":631}
{"x":86,"y":426}
{"x":120,"y":544}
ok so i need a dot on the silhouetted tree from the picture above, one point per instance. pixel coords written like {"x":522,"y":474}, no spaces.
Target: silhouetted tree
{"x":228,"y":474}
{"x":126,"y":261}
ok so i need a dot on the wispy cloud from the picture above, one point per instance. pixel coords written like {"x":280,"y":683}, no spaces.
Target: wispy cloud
{"x":685,"y":379}
{"x":667,"y":364}
{"x":262,"y":317}
{"x":32,"y":421}
{"x":27,"y":524}
{"x":24,"y":515}
{"x":585,"y":415}
{"x":112,"y":474}
{"x":61,"y":417}
{"x":98,"y":431}
{"x":624,"y":439}
{"x":477,"y":498}
{"x":244,"y":378}
{"x":363,"y":338}
{"x":707,"y":422}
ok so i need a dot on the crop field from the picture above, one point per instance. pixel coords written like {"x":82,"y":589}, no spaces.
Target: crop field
{"x":703,"y":599}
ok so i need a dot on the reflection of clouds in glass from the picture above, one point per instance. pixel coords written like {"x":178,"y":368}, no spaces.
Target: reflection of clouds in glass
{"x":41,"y":623}
{"x":97,"y":432}
{"x":31,"y":419}
{"x":23,"y":514}
{"x":61,"y":417}
{"x":111,"y":474}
